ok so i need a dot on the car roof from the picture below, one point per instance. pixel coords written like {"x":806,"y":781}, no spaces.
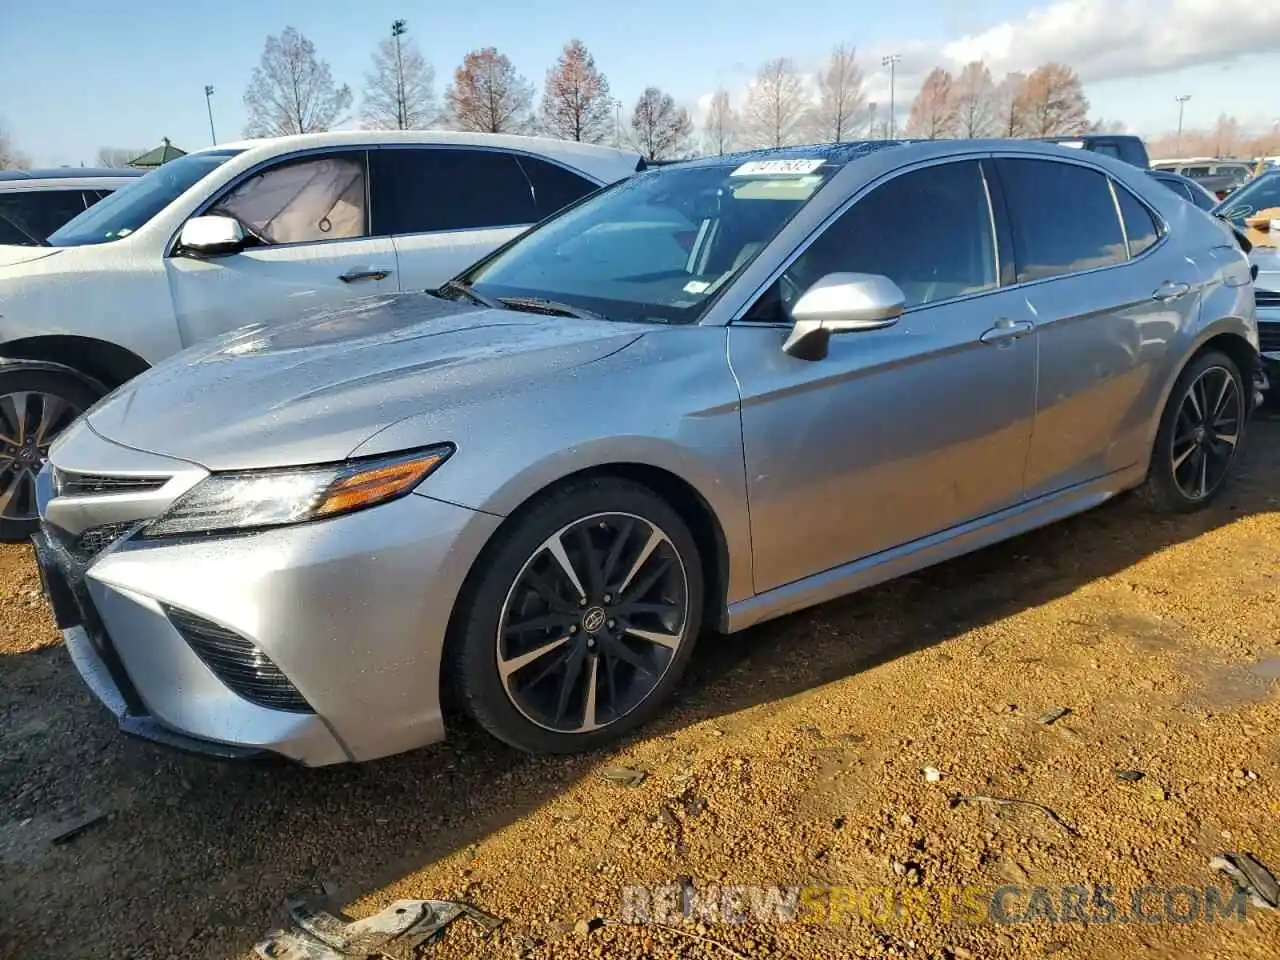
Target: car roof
{"x":70,"y":173}
{"x":839,"y":154}
{"x":270,"y":146}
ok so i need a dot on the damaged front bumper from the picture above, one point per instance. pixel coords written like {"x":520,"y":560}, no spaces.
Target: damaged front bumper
{"x":97,"y":658}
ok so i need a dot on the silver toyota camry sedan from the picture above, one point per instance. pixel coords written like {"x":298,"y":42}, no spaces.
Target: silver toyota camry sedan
{"x":712,"y":394}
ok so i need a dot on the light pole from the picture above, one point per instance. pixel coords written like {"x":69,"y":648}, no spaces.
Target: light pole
{"x":617,"y":122}
{"x":208,"y":102}
{"x":1182,"y":103}
{"x":398,"y":27}
{"x":891,"y":61}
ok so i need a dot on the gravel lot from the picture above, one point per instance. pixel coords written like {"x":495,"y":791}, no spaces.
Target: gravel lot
{"x":793,"y":757}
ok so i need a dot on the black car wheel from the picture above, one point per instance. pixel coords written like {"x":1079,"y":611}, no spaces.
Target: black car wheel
{"x":581,"y":618}
{"x":1200,"y":433}
{"x":35,"y":406}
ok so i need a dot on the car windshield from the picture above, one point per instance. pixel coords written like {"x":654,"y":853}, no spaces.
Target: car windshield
{"x":124,"y":211}
{"x":658,"y":246}
{"x":1255,"y":197}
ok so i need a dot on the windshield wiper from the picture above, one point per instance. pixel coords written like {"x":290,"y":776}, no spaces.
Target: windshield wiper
{"x":449,"y":287}
{"x":553,"y":307}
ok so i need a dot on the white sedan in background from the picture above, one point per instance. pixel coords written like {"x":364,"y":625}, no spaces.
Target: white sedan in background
{"x":253,"y":231}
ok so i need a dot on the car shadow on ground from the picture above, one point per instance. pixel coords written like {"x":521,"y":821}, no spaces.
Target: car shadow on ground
{"x":198,"y":855}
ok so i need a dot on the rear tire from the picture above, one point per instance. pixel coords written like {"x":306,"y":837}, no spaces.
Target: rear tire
{"x":35,"y":406}
{"x":1200,"y":433}
{"x":552,"y":661}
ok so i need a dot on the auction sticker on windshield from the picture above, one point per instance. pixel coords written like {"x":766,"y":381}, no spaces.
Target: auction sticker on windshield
{"x":757,"y":168}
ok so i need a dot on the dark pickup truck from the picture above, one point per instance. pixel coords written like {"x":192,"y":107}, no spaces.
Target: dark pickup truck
{"x":1122,"y":146}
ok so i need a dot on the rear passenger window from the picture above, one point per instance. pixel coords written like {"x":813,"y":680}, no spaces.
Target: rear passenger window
{"x":428,"y":189}
{"x":38,"y":213}
{"x":1063,"y":217}
{"x":554,"y":187}
{"x":1139,"y":226}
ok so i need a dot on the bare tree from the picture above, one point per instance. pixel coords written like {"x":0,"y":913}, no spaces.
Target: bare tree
{"x":117,"y":156}
{"x":975,"y":100}
{"x":10,"y":157}
{"x":660,"y":130}
{"x":1010,"y":110}
{"x":841,"y":98}
{"x":722,"y":124}
{"x":1102,"y":125}
{"x":292,"y":91}
{"x":1054,"y":103}
{"x":775,"y":109}
{"x":1226,"y":135}
{"x":933,"y":112}
{"x":398,"y":91}
{"x":575,"y":98}
{"x":488,"y":95}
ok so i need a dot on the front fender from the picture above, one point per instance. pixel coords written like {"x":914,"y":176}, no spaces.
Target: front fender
{"x":670,"y":405}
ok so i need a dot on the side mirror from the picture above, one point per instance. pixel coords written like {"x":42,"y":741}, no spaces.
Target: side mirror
{"x":842,"y":303}
{"x":211,"y":236}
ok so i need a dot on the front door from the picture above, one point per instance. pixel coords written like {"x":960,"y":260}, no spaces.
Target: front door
{"x":900,"y":432}
{"x":313,"y":249}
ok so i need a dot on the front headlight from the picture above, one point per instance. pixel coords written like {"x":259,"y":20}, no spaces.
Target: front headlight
{"x":226,"y":502}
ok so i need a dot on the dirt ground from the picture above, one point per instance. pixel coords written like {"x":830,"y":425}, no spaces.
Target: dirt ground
{"x":794,"y":757}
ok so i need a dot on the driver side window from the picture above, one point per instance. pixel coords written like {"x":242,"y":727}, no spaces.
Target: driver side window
{"x":302,"y":201}
{"x":928,"y":230}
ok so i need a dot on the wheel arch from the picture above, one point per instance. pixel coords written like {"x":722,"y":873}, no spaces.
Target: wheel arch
{"x":1226,"y":337}
{"x":106,"y":364}
{"x":682,"y":496}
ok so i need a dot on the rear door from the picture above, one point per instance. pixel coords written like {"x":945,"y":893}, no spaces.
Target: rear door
{"x":1106,"y":306}
{"x":311,"y":215}
{"x":445,"y":207}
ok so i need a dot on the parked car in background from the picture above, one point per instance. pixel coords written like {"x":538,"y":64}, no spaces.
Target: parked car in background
{"x":719,"y":392}
{"x":254,"y":230}
{"x":1122,"y":146}
{"x":1255,"y":208}
{"x":1266,"y":293}
{"x":35,"y":203}
{"x":1219,"y":176}
{"x":1186,"y":188}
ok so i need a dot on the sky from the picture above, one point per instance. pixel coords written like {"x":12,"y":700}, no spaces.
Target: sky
{"x":77,"y":75}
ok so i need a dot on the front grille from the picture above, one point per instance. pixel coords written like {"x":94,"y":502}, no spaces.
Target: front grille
{"x":68,"y":484}
{"x":93,"y":541}
{"x":1266,"y":298}
{"x":245,"y":669}
{"x":1269,"y":337}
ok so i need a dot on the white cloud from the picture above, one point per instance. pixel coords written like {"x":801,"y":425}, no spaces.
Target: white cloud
{"x":1102,"y":40}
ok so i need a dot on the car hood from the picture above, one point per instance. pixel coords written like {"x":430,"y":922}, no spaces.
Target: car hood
{"x":13,"y":255}
{"x":313,"y":389}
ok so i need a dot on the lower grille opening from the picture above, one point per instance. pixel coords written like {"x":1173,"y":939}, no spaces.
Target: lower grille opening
{"x":238,"y":663}
{"x":93,"y":541}
{"x":1269,"y":337}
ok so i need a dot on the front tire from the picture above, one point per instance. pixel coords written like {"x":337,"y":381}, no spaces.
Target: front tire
{"x":1200,"y":433}
{"x":581,"y":619}
{"x":35,"y":406}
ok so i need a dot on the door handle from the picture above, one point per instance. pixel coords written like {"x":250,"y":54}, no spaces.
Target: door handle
{"x":351,"y":276}
{"x":1171,"y":290}
{"x":1007,"y":330}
